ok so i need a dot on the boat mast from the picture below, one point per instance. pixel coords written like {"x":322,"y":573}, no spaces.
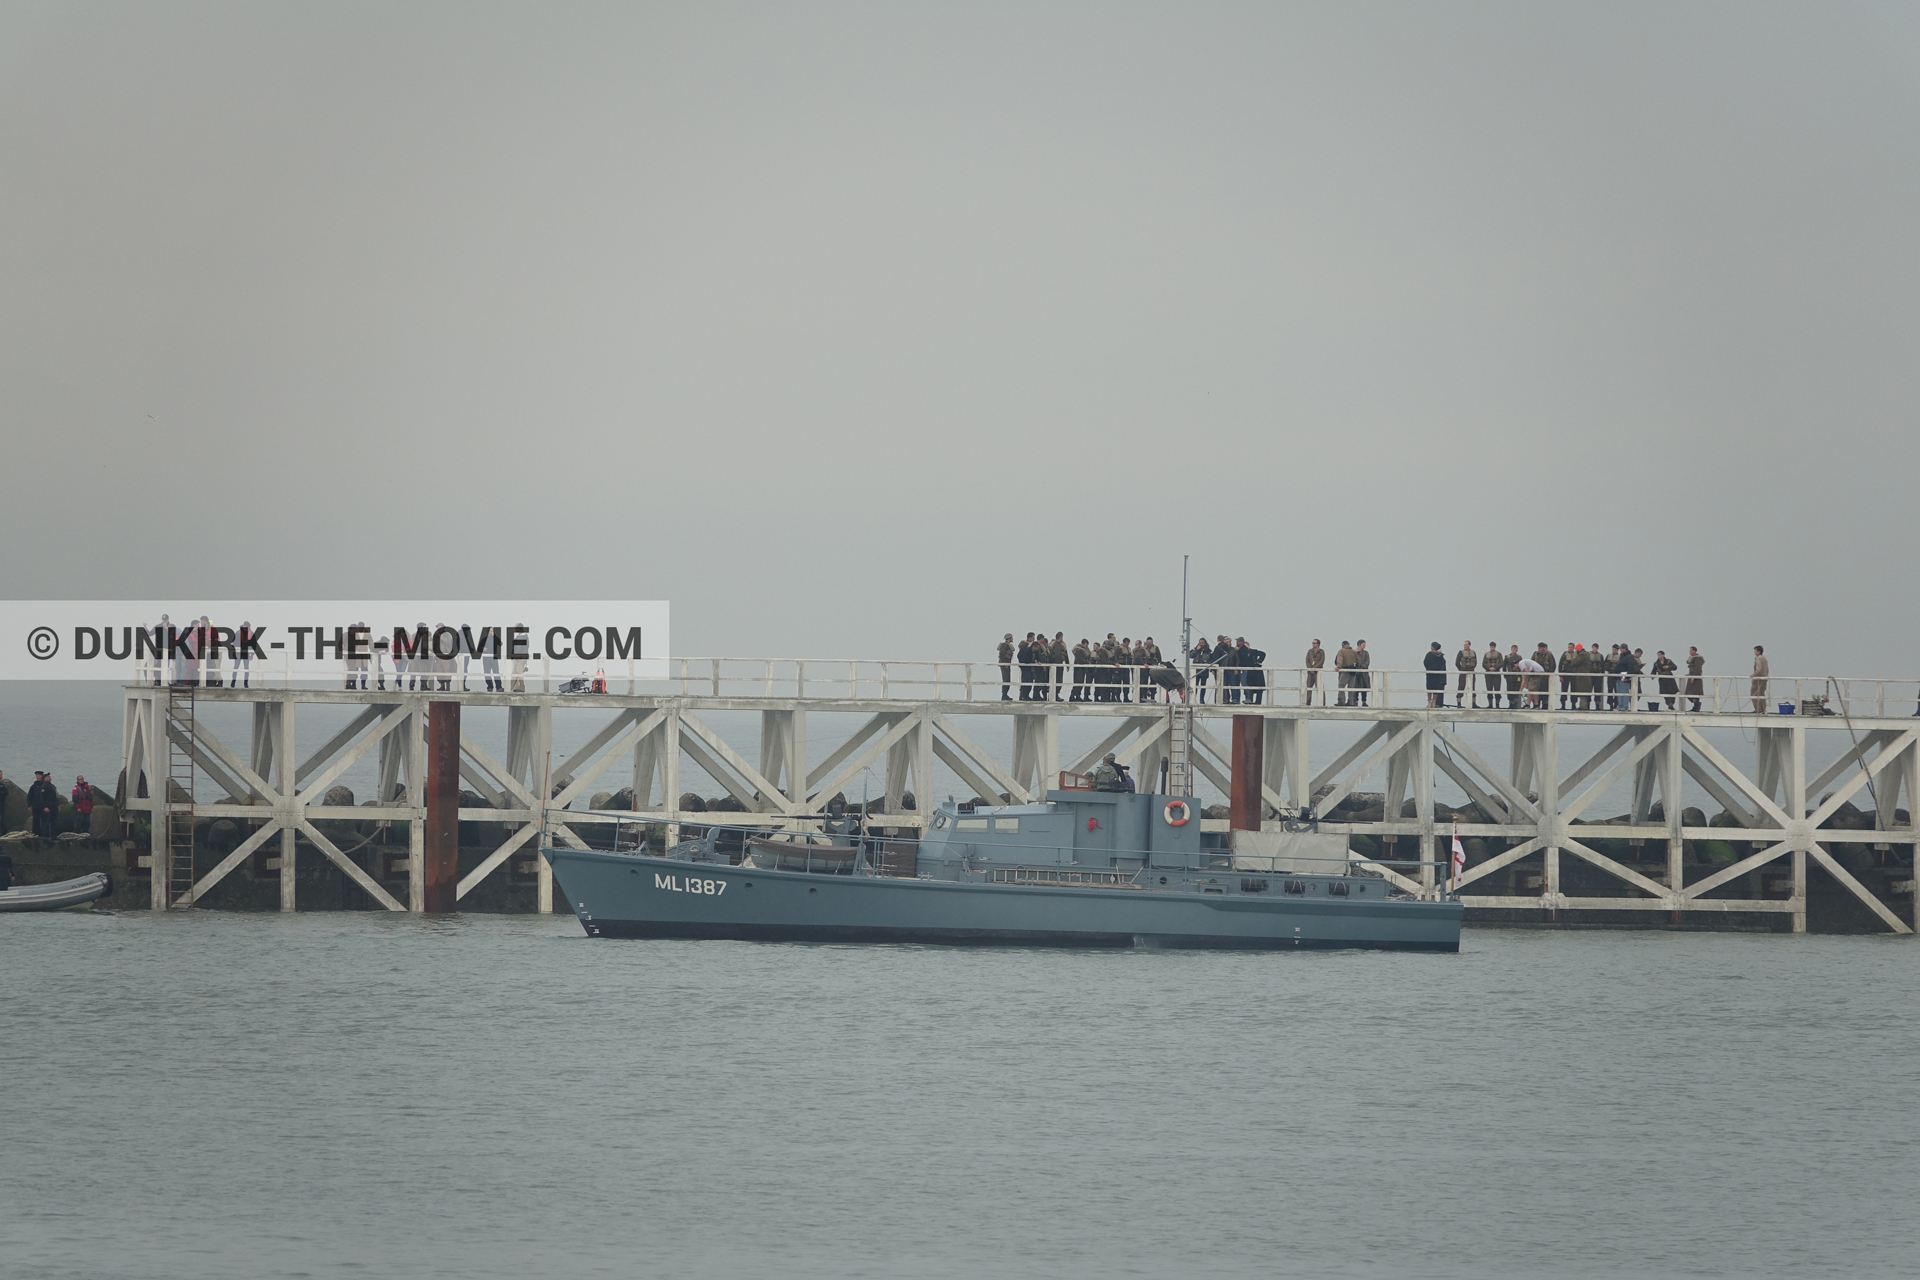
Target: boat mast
{"x":1178,"y":765}
{"x":1186,"y":628}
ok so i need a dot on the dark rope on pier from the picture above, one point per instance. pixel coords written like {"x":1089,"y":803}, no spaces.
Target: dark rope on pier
{"x":1855,"y":739}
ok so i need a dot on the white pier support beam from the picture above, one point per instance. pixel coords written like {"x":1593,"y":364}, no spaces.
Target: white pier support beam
{"x":1422,"y":748}
{"x":1796,"y":806}
{"x":1284,"y":753}
{"x":281,"y":728}
{"x":1673,"y":809}
{"x":543,"y":792}
{"x":1547,"y":761}
{"x":669,"y":772}
{"x":157,"y":790}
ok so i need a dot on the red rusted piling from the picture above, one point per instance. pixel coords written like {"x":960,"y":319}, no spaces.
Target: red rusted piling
{"x":1248,"y":769}
{"x":442,"y":851}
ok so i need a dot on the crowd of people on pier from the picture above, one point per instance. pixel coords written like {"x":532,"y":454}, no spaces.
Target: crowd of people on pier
{"x":1051,"y":671}
{"x":1589,"y":678}
{"x":1115,"y":669}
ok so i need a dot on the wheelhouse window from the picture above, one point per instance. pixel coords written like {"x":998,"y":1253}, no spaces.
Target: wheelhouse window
{"x":1006,"y":826}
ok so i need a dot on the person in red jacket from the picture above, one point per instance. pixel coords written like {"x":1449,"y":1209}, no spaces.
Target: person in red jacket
{"x":82,"y":805}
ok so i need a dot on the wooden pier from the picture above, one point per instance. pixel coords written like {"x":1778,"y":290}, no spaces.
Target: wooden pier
{"x":906,"y":716}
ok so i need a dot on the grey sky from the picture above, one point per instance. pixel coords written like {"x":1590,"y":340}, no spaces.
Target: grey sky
{"x":883,"y":330}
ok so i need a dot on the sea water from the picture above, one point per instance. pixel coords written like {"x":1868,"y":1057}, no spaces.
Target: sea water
{"x":219,"y":1095}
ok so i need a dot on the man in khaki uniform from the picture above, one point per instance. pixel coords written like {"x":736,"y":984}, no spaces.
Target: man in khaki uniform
{"x":1464,"y":662}
{"x":1316,"y":660}
{"x":1057,"y":656}
{"x":1759,"y":690}
{"x":1511,"y":665}
{"x":1108,"y":657}
{"x":1696,"y":667}
{"x":1544,"y":681}
{"x":1362,"y":673}
{"x":1343,"y":664}
{"x":1006,"y":668}
{"x":1567,"y":666}
{"x":1148,"y":654}
{"x":1491,"y":663}
{"x":1082,"y":660}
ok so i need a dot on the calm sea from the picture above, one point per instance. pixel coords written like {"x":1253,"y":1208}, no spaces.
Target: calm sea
{"x":350,"y":1095}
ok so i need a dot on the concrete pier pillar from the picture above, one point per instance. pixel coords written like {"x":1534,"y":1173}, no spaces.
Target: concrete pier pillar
{"x":441,"y":850}
{"x":1285,"y":751}
{"x":1249,"y":743}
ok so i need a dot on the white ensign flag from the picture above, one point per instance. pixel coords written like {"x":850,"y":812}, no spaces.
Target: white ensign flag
{"x":1459,"y":861}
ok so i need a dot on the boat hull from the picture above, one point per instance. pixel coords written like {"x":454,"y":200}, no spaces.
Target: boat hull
{"x":623,"y":896}
{"x":56,"y":897}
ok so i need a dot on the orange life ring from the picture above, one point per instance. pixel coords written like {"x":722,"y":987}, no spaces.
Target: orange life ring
{"x":1186,"y":812}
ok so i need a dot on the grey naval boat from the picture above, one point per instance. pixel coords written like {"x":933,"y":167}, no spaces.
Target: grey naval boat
{"x":1082,"y":869}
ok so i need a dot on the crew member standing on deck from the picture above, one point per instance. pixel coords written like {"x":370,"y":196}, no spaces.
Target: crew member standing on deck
{"x":1465,"y":661}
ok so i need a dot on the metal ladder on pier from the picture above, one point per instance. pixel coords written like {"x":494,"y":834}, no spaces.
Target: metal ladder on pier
{"x":1179,"y":748}
{"x":178,"y":802}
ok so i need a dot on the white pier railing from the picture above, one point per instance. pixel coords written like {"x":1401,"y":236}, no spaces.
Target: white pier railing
{"x":922,"y":680}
